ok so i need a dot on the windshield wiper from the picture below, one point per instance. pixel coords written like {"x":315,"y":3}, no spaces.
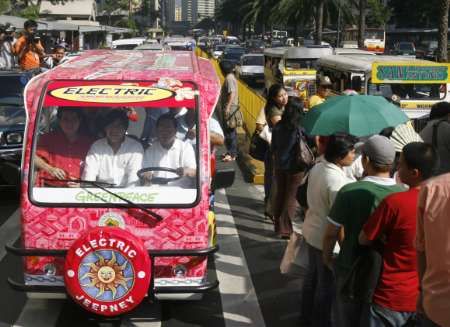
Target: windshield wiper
{"x":103,"y":188}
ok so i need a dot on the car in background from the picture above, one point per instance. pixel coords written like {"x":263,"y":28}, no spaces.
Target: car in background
{"x":404,"y":49}
{"x":276,"y":43}
{"x":251,"y":68}
{"x":255,"y":46}
{"x":218,"y":50}
{"x":231,"y":54}
{"x":127,"y":44}
{"x":427,"y":50}
{"x":12,"y":119}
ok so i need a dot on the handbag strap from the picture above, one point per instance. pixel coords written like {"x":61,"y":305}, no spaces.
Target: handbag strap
{"x":232,"y":114}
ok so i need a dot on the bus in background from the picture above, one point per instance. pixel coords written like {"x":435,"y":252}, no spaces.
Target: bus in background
{"x":276,"y":34}
{"x":374,"y":39}
{"x":414,"y":85}
{"x":293,"y":67}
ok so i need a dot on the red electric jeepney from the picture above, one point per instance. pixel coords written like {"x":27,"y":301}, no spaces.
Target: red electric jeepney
{"x":111,"y":210}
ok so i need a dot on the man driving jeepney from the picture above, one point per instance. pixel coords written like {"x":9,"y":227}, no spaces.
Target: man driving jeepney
{"x":116,"y":158}
{"x":169,"y":152}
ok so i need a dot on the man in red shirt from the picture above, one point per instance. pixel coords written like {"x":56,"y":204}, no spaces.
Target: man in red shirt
{"x":61,"y":153}
{"x":393,"y":224}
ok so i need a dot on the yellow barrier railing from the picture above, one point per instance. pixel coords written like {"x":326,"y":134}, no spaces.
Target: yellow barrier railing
{"x":250,"y":101}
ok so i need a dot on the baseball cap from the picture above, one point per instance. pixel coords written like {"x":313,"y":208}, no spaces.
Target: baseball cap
{"x":325,"y":81}
{"x":379,"y":149}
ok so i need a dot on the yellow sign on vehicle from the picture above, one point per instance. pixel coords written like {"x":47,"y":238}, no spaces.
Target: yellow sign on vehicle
{"x":111,"y":93}
{"x":409,"y":72}
{"x":300,"y":72}
{"x":416,"y":105}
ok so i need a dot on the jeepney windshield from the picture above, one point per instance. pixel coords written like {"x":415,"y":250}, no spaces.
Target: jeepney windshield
{"x":409,"y":91}
{"x":147,"y":155}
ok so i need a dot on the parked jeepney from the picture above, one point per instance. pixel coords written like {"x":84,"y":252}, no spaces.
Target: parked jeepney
{"x":415,"y":85}
{"x":294,"y":67}
{"x":121,"y":223}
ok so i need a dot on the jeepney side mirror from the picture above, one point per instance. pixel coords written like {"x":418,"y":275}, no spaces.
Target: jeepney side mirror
{"x":223,"y":178}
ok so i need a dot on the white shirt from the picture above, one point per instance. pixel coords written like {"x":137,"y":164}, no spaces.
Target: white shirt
{"x":6,"y":55}
{"x":180,"y":155}
{"x":356,"y":170}
{"x":50,"y":62}
{"x":213,"y":126}
{"x":119,"y":168}
{"x":324,"y":182}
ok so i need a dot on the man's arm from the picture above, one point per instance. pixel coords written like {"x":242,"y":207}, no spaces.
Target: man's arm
{"x":216,"y":139}
{"x":330,"y":238}
{"x":420,"y":244}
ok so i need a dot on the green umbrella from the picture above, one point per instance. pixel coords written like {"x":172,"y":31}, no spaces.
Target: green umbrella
{"x":358,"y":115}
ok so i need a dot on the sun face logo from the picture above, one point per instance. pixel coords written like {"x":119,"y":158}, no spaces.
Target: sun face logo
{"x":106,"y":275}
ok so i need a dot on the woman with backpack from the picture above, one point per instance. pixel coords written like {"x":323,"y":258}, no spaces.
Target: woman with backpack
{"x":288,"y":173}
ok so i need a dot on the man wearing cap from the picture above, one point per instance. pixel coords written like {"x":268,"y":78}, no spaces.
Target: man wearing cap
{"x":354,"y":204}
{"x":323,"y":92}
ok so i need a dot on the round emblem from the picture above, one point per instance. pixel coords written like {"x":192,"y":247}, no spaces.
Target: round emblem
{"x":111,"y":219}
{"x":107,"y":271}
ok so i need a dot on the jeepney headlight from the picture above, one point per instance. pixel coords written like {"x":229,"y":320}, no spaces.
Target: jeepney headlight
{"x":14,"y":138}
{"x":49,"y":269}
{"x":180,"y":271}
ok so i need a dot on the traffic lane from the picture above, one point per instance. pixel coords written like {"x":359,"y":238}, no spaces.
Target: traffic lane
{"x":278,"y":295}
{"x":9,"y":202}
{"x":11,"y":302}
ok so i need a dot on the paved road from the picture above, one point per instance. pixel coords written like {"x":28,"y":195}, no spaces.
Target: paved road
{"x":251,"y":291}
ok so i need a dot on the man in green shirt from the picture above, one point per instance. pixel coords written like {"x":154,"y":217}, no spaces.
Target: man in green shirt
{"x":353,"y":205}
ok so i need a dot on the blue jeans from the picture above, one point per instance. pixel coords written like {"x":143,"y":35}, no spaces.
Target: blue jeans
{"x":231,"y":140}
{"x":317,"y":291}
{"x":347,"y":313}
{"x":379,"y":316}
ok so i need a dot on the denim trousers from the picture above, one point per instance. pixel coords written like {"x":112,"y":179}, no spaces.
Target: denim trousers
{"x":378,"y":316}
{"x":347,"y":313}
{"x":317,"y":291}
{"x":231,"y":140}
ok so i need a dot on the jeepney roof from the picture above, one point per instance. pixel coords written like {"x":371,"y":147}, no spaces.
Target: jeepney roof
{"x":275,"y":52}
{"x":130,"y":65}
{"x":352,"y":51}
{"x":308,"y":52}
{"x":361,"y":63}
{"x":299,"y":52}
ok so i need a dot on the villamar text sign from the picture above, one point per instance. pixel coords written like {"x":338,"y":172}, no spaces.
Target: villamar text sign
{"x":410,"y":73}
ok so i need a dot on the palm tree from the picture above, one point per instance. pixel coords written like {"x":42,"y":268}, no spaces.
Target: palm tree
{"x":362,"y":22}
{"x":443,"y":30}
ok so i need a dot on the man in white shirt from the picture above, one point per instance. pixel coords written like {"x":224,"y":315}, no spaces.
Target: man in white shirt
{"x":169,"y":152}
{"x":57,"y":58}
{"x":115,"y":158}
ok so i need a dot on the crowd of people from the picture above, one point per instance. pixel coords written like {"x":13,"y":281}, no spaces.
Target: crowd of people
{"x":26,"y":50}
{"x":372,"y":220}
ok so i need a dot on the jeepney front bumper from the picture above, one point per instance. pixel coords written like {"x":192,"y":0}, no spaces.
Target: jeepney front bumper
{"x":164,"y":287}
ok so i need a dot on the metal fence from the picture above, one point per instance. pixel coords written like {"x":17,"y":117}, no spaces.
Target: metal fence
{"x":250,"y":101}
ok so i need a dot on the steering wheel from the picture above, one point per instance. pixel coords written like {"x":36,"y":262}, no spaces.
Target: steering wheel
{"x":159,"y":180}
